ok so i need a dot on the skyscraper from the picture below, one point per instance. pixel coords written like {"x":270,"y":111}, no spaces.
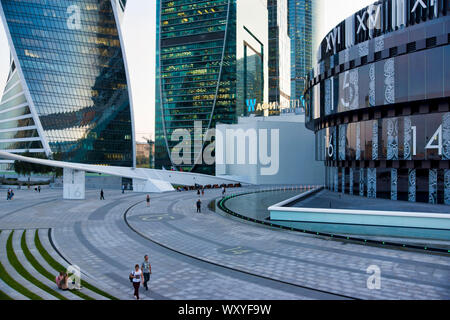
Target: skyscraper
{"x":279,"y":53}
{"x":302,"y":33}
{"x":67,"y":94}
{"x":212,"y":57}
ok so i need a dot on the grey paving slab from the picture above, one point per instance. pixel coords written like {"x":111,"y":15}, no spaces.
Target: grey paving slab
{"x":205,"y":236}
{"x":210,"y":256}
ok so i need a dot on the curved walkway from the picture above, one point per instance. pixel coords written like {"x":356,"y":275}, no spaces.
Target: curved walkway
{"x":209,"y":256}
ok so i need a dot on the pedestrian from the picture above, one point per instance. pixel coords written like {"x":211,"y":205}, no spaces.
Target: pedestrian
{"x":146,"y":268}
{"x":59,"y":279}
{"x":199,"y":206}
{"x":148,"y":200}
{"x":123,"y":189}
{"x":39,"y":189}
{"x":64,"y":282}
{"x":137,"y":278}
{"x":203,"y":192}
{"x":8,"y":195}
{"x":198,"y":192}
{"x":102,"y":195}
{"x":224,"y":190}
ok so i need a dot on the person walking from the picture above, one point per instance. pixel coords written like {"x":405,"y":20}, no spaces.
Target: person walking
{"x":224,"y":190}
{"x":198,"y":192}
{"x":146,"y":268}
{"x":203,"y":192}
{"x":137,"y":279}
{"x":102,"y":195}
{"x":39,"y":189}
{"x":148,"y":200}
{"x":199,"y":206}
{"x":123,"y":189}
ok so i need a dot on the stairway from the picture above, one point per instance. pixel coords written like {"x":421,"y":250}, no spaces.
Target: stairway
{"x":29,"y":265}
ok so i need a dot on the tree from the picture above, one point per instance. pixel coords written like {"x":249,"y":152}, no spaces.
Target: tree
{"x":27,"y":168}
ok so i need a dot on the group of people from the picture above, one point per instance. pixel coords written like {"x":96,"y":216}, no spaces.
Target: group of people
{"x":62,"y":281}
{"x":10,"y":194}
{"x":141,"y":275}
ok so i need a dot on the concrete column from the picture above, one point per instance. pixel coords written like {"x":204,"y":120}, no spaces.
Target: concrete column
{"x":74,"y":184}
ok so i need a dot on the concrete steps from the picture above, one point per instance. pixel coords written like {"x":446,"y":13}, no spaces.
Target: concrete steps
{"x":37,"y":267}
{"x":13,"y":294}
{"x":13,"y":272}
{"x":45,"y":241}
{"x":30,"y":268}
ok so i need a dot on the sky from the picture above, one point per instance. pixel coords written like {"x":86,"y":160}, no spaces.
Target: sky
{"x":139,"y":29}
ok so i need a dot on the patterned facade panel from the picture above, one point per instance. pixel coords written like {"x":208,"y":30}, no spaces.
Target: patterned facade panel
{"x":447,"y":187}
{"x":412,"y":185}
{"x":389,"y":81}
{"x":372,"y":86}
{"x":361,"y":182}
{"x":446,"y":136}
{"x":375,"y":144}
{"x":372,"y":183}
{"x":394,"y":183}
{"x":407,"y":139}
{"x":432,"y":186}
{"x":392,"y":143}
{"x":342,"y":141}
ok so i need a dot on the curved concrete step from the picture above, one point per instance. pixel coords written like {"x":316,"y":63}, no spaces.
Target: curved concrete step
{"x":29,"y":267}
{"x":43,"y":237}
{"x":36,"y":254}
{"x":14,"y":274}
{"x":13,"y":294}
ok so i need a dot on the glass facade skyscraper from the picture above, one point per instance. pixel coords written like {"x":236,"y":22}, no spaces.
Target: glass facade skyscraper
{"x":67,"y":92}
{"x":302,"y":19}
{"x":279,"y":53}
{"x":211,"y":59}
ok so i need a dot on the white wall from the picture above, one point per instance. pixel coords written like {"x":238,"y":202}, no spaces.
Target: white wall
{"x":296,"y":147}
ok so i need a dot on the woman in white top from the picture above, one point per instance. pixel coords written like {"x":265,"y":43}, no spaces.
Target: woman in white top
{"x":137,"y":278}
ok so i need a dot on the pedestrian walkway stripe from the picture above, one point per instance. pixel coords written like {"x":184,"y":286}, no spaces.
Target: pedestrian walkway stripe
{"x":57,"y":266}
{"x":41,"y":270}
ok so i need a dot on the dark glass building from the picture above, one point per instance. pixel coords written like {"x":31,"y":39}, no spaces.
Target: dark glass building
{"x":378,"y":102}
{"x":67,"y":92}
{"x":279,"y":53}
{"x":302,"y":18}
{"x":211,"y":59}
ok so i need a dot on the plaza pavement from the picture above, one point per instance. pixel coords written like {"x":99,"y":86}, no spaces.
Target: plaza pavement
{"x":207,"y":255}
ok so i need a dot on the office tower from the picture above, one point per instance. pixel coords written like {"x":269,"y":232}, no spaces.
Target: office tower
{"x":67,"y":94}
{"x":302,"y":29}
{"x":212,"y":57}
{"x":279,"y":53}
